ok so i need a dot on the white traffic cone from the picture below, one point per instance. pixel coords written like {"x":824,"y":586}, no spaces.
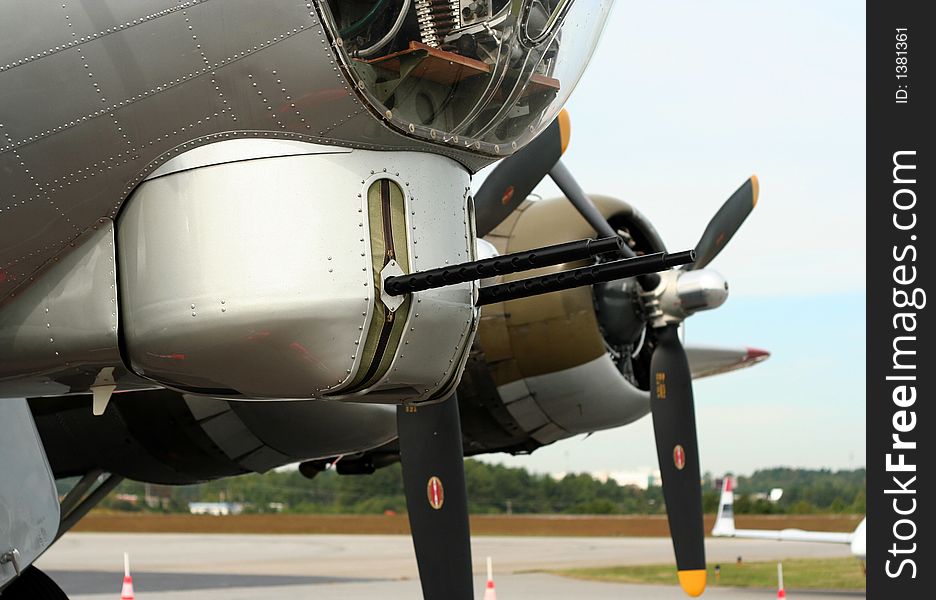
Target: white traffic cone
{"x":780,"y":592}
{"x":489,"y":593}
{"x":126,"y":591}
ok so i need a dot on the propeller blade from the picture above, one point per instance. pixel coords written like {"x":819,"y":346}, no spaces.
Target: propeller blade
{"x":678,"y":452}
{"x":726,"y":222}
{"x":514,"y":178}
{"x":570,"y":188}
{"x":437,"y":498}
{"x":573,"y":191}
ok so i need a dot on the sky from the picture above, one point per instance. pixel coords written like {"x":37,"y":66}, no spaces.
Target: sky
{"x":681,"y":103}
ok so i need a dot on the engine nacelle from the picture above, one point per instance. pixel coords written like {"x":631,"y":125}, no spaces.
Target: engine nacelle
{"x":542,"y":368}
{"x":162,"y":436}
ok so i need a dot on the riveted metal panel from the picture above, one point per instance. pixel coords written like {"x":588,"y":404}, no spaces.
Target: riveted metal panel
{"x":247,"y":276}
{"x":440,"y":323}
{"x":126,"y":85}
{"x":160,"y":50}
{"x":65,"y":321}
{"x":45,"y":78}
{"x":27,"y":35}
{"x":23,"y":242}
{"x":104,"y":19}
{"x":255,"y":278}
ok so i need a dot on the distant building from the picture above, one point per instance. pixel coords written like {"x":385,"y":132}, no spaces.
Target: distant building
{"x":217,"y":509}
{"x":641,"y":478}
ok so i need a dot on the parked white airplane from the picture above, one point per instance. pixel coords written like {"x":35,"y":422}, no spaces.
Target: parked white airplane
{"x":725,"y":527}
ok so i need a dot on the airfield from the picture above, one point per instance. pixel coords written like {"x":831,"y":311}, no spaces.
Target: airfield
{"x":170,"y":566}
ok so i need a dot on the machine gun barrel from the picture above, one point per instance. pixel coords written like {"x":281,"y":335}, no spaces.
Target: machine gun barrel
{"x":600,"y":273}
{"x":502,"y":265}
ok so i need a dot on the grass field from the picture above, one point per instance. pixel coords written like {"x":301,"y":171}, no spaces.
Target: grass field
{"x":546,"y":525}
{"x":802,"y":574}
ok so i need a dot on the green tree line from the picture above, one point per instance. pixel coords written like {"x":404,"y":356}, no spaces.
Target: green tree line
{"x":496,"y":489}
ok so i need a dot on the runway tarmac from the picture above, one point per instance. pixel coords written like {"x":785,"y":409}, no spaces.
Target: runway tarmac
{"x":89,"y":566}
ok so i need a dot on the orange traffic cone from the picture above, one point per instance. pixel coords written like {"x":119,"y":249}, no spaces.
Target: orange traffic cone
{"x":126,"y":592}
{"x":489,"y":593}
{"x":780,"y":592}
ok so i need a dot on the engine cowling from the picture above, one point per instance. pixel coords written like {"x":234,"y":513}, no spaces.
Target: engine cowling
{"x":162,"y":436}
{"x":548,"y":367}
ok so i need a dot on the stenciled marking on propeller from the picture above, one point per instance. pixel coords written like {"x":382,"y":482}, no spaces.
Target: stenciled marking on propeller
{"x":661,"y":386}
{"x":435,"y":492}
{"x":508,"y":195}
{"x":679,"y":457}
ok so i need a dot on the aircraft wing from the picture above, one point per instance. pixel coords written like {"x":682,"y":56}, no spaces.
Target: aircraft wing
{"x":791,"y":535}
{"x":713,"y":360}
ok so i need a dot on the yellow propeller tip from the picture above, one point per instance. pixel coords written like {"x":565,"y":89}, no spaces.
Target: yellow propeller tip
{"x":565,"y":129}
{"x":756,"y":185}
{"x":692,"y":582}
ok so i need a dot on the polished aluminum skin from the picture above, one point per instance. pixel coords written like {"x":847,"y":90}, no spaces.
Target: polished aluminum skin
{"x":62,"y":329}
{"x":263,"y":436}
{"x":97,"y":94}
{"x":583,"y":399}
{"x":683,"y":293}
{"x":249,"y":275}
